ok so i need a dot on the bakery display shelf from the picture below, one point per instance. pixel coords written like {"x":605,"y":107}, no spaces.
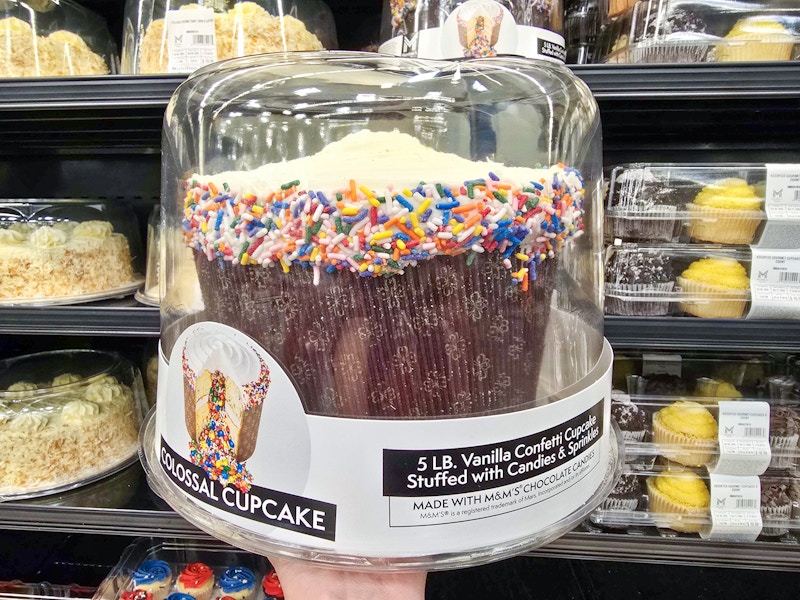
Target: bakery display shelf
{"x":702,"y":334}
{"x":121,"y":317}
{"x":124,"y":93}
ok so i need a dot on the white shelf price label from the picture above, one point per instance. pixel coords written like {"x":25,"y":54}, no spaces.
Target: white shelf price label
{"x":735,"y":509}
{"x":191,"y":39}
{"x":774,"y":284}
{"x":783,"y":192}
{"x":743,"y":438}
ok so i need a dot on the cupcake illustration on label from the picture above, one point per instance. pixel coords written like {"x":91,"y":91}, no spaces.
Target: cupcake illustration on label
{"x":478,"y":24}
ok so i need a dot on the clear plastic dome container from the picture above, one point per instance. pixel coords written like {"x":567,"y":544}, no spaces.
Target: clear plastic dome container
{"x":72,"y":417}
{"x":385,"y":247}
{"x":67,"y":251}
{"x":53,"y":38}
{"x":179,"y":36}
{"x":474,"y":28}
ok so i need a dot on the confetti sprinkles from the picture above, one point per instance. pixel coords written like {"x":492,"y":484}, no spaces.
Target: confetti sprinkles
{"x":374,"y":233}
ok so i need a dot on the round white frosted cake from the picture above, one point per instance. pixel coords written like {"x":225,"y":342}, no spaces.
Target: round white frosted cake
{"x":65,"y":430}
{"x":46,"y":260}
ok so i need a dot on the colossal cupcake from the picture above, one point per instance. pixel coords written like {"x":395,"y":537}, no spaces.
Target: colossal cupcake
{"x":419,"y":288}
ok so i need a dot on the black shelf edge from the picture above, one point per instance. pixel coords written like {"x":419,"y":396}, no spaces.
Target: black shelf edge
{"x":702,"y":334}
{"x":113,"y":318}
{"x":708,"y":80}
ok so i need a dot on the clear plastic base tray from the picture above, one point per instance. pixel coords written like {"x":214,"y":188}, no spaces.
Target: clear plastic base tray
{"x":75,"y":299}
{"x":142,"y":296}
{"x":247,"y":540}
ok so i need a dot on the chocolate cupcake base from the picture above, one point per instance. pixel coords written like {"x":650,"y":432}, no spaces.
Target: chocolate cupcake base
{"x":451,"y":336}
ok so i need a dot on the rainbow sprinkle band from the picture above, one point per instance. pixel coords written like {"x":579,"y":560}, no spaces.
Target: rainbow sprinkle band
{"x":214,"y":450}
{"x":400,"y":10}
{"x":256,"y":391}
{"x":372,"y":234}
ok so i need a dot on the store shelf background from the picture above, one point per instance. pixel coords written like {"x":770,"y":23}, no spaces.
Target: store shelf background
{"x":100,"y":138}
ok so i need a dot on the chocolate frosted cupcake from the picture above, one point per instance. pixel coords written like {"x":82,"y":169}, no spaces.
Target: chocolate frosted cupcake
{"x":784,"y":433}
{"x":776,"y":505}
{"x":626,"y":493}
{"x":664,"y":384}
{"x":401,"y":294}
{"x":632,"y":420}
{"x":636,"y":280}
{"x":641,"y":208}
{"x":672,"y":35}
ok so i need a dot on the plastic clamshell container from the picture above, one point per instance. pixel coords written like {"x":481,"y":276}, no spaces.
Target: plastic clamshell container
{"x":53,"y":38}
{"x":180,"y":36}
{"x":178,"y":554}
{"x":652,"y":280}
{"x":689,"y":31}
{"x":151,"y":292}
{"x":67,"y":251}
{"x":72,"y":417}
{"x":638,"y":502}
{"x":719,"y":204}
{"x":17,"y":590}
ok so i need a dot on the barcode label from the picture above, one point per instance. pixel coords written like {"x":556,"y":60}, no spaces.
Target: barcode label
{"x":754,"y":432}
{"x":782,"y":192}
{"x":735,"y":509}
{"x":745,"y":503}
{"x":203,"y":40}
{"x":788,"y":277}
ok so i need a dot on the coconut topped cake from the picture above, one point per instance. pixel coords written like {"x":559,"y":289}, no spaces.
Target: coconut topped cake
{"x":394,"y":213}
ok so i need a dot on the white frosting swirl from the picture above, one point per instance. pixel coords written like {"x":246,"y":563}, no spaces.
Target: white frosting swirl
{"x":218,"y":351}
{"x":66,"y":379}
{"x":29,"y":422}
{"x":94,"y":229}
{"x":47,"y":237}
{"x":23,"y":228}
{"x":22,"y":386}
{"x":105,"y":393}
{"x":78,"y":410}
{"x":10,"y":237}
{"x":65,"y":226}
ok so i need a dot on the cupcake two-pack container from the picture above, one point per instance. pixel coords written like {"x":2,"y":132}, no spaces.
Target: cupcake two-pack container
{"x":448,"y":29}
{"x":690,"y":31}
{"x":54,"y":38}
{"x":398,"y":361}
{"x":672,"y":500}
{"x":179,"y":36}
{"x":72,"y":417}
{"x":153,"y":569}
{"x":67,"y":251}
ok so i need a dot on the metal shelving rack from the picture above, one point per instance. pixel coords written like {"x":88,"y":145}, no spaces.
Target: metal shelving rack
{"x":100,"y":137}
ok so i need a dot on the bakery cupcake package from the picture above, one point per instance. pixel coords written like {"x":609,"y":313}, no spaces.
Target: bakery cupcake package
{"x":161,"y":36}
{"x":156,"y":569}
{"x":400,"y":308}
{"x":688,"y":31}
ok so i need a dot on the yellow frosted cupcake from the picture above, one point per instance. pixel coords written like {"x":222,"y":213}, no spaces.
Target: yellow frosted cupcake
{"x":679,"y":500}
{"x":715,"y":288}
{"x":686,"y":433}
{"x":713,"y":390}
{"x":756,"y":39}
{"x":727,"y":211}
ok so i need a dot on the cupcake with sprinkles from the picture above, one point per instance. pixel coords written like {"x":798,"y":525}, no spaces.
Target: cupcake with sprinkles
{"x":238,"y":583}
{"x":272,"y":586}
{"x":153,"y":577}
{"x":196,"y":580}
{"x":136,"y":595}
{"x":411,"y":288}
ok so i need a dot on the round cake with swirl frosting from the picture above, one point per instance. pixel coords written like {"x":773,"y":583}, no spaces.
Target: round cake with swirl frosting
{"x":40,"y":260}
{"x":65,"y":430}
{"x":409,"y":288}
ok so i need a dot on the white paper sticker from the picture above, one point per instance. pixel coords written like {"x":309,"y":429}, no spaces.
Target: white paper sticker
{"x":237,"y":442}
{"x":657,"y":364}
{"x":743,"y":438}
{"x":735,"y":509}
{"x":191,"y":39}
{"x":461,"y":36}
{"x":783,"y":192}
{"x":774,"y":284}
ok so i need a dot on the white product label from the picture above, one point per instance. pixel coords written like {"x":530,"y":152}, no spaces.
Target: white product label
{"x":479,"y":28}
{"x":235,"y":440}
{"x":775,"y":284}
{"x":658,"y":364}
{"x":735,"y":509}
{"x":783,"y":192}
{"x":743,"y":438}
{"x":191,"y":39}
